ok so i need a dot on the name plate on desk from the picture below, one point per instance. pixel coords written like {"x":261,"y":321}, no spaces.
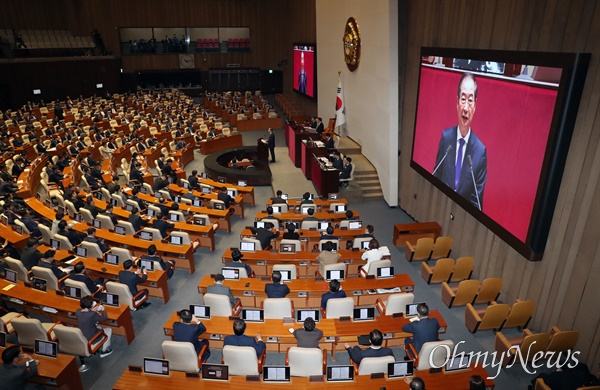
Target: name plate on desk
{"x":252,"y":378}
{"x":265,"y":278}
{"x":303,"y":263}
{"x":214,"y":336}
{"x":407,"y":288}
{"x":233,"y":318}
{"x":330,"y":339}
{"x":346,"y":261}
{"x":396,"y":315}
{"x":192,"y":375}
{"x":345,"y":319}
{"x":377,"y":375}
{"x":370,"y":277}
{"x":260,"y":262}
{"x":135,"y":368}
{"x":316,"y":378}
{"x":357,"y":292}
{"x":302,"y":294}
{"x":248,"y":293}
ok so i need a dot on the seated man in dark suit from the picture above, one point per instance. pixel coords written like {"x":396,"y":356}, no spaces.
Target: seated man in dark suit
{"x":168,"y":266}
{"x":311,"y":217}
{"x":276,"y":289}
{"x":109,"y":213}
{"x":30,"y":224}
{"x":375,"y":350}
{"x":240,"y":340}
{"x":46,"y":262}
{"x":193,"y":179}
{"x":335,"y":291}
{"x":189,"y":330}
{"x":136,"y":199}
{"x":91,"y":207}
{"x":329,"y":144}
{"x":329,"y":234}
{"x":236,"y":255}
{"x":30,"y":256}
{"x":162,"y":224}
{"x":345,"y":172}
{"x":79,"y":274}
{"x":160,"y":183}
{"x":135,"y":174}
{"x":91,"y":237}
{"x":278,"y":198}
{"x":218,"y":288}
{"x":74,"y":237}
{"x":14,"y":371}
{"x":424,"y":330}
{"x":291,"y":233}
{"x":132,"y":277}
{"x":265,"y":235}
{"x":224,"y":197}
{"x":271,"y":216}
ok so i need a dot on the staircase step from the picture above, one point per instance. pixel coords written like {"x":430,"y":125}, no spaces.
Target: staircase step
{"x":373,"y":196}
{"x":371,"y":190}
{"x":368,"y":183}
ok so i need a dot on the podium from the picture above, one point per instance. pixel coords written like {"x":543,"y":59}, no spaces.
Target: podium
{"x":262,"y":151}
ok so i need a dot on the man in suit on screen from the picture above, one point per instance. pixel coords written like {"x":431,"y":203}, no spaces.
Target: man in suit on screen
{"x":302,"y":75}
{"x":461,"y":161}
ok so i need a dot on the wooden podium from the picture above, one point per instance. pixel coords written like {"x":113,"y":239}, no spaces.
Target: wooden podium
{"x":262,"y":151}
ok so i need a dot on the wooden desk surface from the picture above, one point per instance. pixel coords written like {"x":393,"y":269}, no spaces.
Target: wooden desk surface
{"x":300,"y":256}
{"x":318,"y":202}
{"x":456,"y":381}
{"x":119,"y":318}
{"x":63,"y":370}
{"x":18,"y":240}
{"x":320,"y":215}
{"x":313,"y":235}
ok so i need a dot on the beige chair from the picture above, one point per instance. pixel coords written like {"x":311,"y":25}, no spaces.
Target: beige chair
{"x":396,"y":303}
{"x":118,"y":199}
{"x":463,"y":269}
{"x":213,"y":202}
{"x":73,"y":342}
{"x":5,"y":320}
{"x":277,"y":308}
{"x":257,"y":244}
{"x":520,"y":314}
{"x":460,"y":295}
{"x":306,"y":361}
{"x":123,"y":253}
{"x":105,"y":222}
{"x":182,"y":356}
{"x":84,"y":289}
{"x":529,"y":345}
{"x":332,"y":267}
{"x":491,"y":317}
{"x":297,"y":244}
{"x":372,"y":365}
{"x":282,"y":206}
{"x":93,"y":249}
{"x":87,"y":216}
{"x":156,"y":235}
{"x":125,"y":296}
{"x":243,"y":360}
{"x":287,"y":267}
{"x":185,"y":239}
{"x":358,"y":241}
{"x":307,"y":225}
{"x":441,"y":248}
{"x":65,"y":244}
{"x":18,"y":267}
{"x":179,"y":214}
{"x":489,"y":291}
{"x":339,"y":307}
{"x":129,"y":230}
{"x":422,"y":251}
{"x":148,"y":188}
{"x":46,"y":233}
{"x":165,"y":194}
{"x":371,"y":268}
{"x":46,"y":273}
{"x":220,"y":305}
{"x":434,"y":353}
{"x":133,"y":203}
{"x":439,"y":273}
{"x":30,"y":329}
{"x":22,"y":225}
{"x":562,"y":341}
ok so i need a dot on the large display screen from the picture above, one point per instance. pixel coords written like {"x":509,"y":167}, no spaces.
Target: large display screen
{"x":304,"y":69}
{"x":485,"y":133}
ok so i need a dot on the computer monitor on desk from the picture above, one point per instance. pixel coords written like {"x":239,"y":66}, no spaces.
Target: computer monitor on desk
{"x":247,"y":246}
{"x":400,"y":369}
{"x":340,"y":373}
{"x":202,"y":312}
{"x":46,"y":348}
{"x":364,"y":314}
{"x":354,"y":225}
{"x":55,"y":244}
{"x":120,"y":230}
{"x":10,"y":276}
{"x":156,"y":367}
{"x":276,"y":373}
{"x":218,"y":372}
{"x":231,"y":273}
{"x":73,"y":292}
{"x":303,"y":314}
{"x":334,"y":274}
{"x":110,"y":258}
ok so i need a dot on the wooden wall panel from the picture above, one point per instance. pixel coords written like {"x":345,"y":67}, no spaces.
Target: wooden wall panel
{"x":565,"y":283}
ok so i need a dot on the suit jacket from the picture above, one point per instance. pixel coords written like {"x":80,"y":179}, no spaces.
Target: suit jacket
{"x":320,"y":128}
{"x":222,"y":290}
{"x":326,"y":258}
{"x":162,"y":226}
{"x":357,"y":354}
{"x":244,"y":341}
{"x":132,"y":280}
{"x":189,"y":333}
{"x":447,"y":170}
{"x":30,"y":257}
{"x":223,"y":196}
{"x":87,"y":321}
{"x":57,"y":272}
{"x":423,"y":331}
{"x":271,"y":140}
{"x":94,"y":240}
{"x":14,"y":375}
{"x":329,"y":295}
{"x":89,"y":283}
{"x":346,"y":170}
{"x":308,"y":339}
{"x":236,"y":264}
{"x":330,"y":144}
{"x":276,"y":290}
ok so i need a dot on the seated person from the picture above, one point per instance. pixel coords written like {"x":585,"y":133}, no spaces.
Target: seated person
{"x":335,"y":291}
{"x":30,"y":256}
{"x":189,"y":330}
{"x":218,"y":288}
{"x":265,"y":235}
{"x":329,"y":234}
{"x":91,"y":237}
{"x":132,"y":277}
{"x":30,"y":224}
{"x":91,"y":207}
{"x":47,"y":262}
{"x":240,"y":340}
{"x":193,"y":179}
{"x":345,"y":172}
{"x":236,"y":255}
{"x":424,"y":330}
{"x":327,"y":256}
{"x":373,"y":254}
{"x":276,"y":289}
{"x":311,"y":217}
{"x":278,"y":198}
{"x":13,"y":373}
{"x":136,"y":221}
{"x":79,"y":274}
{"x":375,"y":350}
{"x":309,"y":336}
{"x":306,"y":199}
{"x":134,"y":196}
{"x":161,"y":223}
{"x":223,"y":196}
{"x":74,"y":237}
{"x":291,"y":233}
{"x":369,"y":232}
{"x":168,"y":266}
{"x":88,"y":316}
{"x":271,"y":216}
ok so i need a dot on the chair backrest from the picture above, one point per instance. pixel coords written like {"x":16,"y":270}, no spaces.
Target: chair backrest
{"x":135,"y":204}
{"x":122,"y":291}
{"x":257,"y":244}
{"x":75,"y":283}
{"x":241,"y":360}
{"x":119,"y":200}
{"x":321,"y":242}
{"x":105,"y":222}
{"x":442,"y":247}
{"x":520,"y":314}
{"x":179,"y":214}
{"x":434,"y":352}
{"x":494,"y":316}
{"x":219,"y":305}
{"x":305,"y":361}
{"x":64,"y":242}
{"x":185,"y":237}
{"x":18,"y":267}
{"x":489,"y":290}
{"x":335,"y":267}
{"x":22,"y":225}
{"x":72,"y":340}
{"x":28,"y":330}
{"x":358,"y":241}
{"x":272,"y":220}
{"x":532,"y":344}
{"x":287,"y":267}
{"x":213,"y":202}
{"x":155,"y":233}
{"x":563,"y":340}
{"x":372,"y":266}
{"x":371,"y":365}
{"x":87,"y":216}
{"x":305,"y":225}
{"x":340,"y":307}
{"x":47,"y":275}
{"x":297,"y":243}
{"x":443,"y":269}
{"x":463,"y":269}
{"x":93,"y":250}
{"x":46,"y":233}
{"x":277,"y":308}
{"x":467,"y":290}
{"x":181,"y":356}
{"x":396,"y":303}
{"x":71,"y":211}
{"x":423,"y":248}
{"x":204,"y":217}
{"x":165,"y":194}
{"x":148,"y":188}
{"x":283,"y":207}
{"x":123,"y":253}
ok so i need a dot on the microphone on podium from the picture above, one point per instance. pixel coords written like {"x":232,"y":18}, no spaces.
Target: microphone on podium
{"x":470,"y":162}
{"x":443,"y":158}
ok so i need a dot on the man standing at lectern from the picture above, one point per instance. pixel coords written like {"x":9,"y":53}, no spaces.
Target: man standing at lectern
{"x":271,"y":144}
{"x":461,"y":161}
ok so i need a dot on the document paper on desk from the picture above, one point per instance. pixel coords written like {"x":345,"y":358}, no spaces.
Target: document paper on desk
{"x":388,"y":290}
